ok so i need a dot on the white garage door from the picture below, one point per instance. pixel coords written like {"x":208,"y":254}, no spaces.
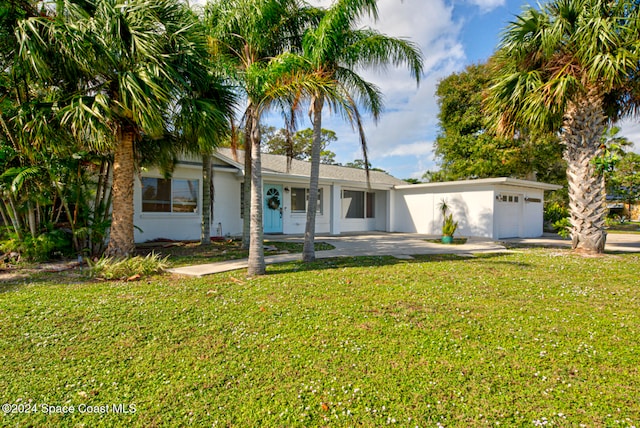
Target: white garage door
{"x":509,"y":215}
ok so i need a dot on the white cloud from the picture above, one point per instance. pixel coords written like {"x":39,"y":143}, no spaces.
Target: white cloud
{"x":410,"y":117}
{"x":401,"y":142}
{"x":412,"y":149}
{"x":487,"y":5}
{"x":631,"y":129}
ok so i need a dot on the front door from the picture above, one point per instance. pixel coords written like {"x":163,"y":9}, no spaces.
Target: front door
{"x":272,"y":208}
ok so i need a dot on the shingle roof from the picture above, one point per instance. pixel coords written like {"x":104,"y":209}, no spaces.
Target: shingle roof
{"x":278,"y":164}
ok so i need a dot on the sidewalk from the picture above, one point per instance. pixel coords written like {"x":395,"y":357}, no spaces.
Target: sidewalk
{"x":616,"y":242}
{"x":403,"y":246}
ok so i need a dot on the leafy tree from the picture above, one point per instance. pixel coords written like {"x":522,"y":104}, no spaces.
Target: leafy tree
{"x":48,"y":178}
{"x":613,"y":149}
{"x":299,"y":145}
{"x":336,"y":48}
{"x":412,"y":180}
{"x":468,"y":149}
{"x":360,"y":164}
{"x":128,"y":63}
{"x":571,"y":67}
{"x":623,"y":181}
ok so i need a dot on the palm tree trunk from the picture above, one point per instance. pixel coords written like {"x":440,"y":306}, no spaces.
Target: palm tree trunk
{"x":308,"y":250}
{"x":121,"y":241}
{"x":5,"y":219}
{"x":246,"y":185}
{"x":256,"y":265}
{"x":31,"y":219}
{"x":583,"y":126}
{"x":72,"y":223}
{"x":101,"y":209}
{"x":205,"y":226}
{"x":15,"y":217}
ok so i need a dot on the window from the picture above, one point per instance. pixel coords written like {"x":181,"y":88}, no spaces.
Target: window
{"x":161,"y":195}
{"x":353,"y":204}
{"x":300,"y":200}
{"x":356,"y":204}
{"x":156,"y":195}
{"x":509,"y":199}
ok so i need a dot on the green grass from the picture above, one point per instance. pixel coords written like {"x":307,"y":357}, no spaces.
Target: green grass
{"x":523,"y":339}
{"x":626,"y":227}
{"x":191,"y":253}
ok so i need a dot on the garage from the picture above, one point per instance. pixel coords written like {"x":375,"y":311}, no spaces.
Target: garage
{"x":494,"y":208}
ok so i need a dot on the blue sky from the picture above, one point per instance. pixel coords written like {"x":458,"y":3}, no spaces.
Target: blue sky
{"x":452,"y":34}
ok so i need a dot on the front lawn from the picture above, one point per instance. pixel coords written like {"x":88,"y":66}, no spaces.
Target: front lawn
{"x":532,"y":338}
{"x":185,"y":253}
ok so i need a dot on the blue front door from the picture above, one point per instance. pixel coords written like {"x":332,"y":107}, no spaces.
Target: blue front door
{"x":272,"y":208}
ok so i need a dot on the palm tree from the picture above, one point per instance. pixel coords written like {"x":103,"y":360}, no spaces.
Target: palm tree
{"x":203,"y":119}
{"x":125,"y":62}
{"x":254,"y":36}
{"x":571,"y":67}
{"x":335,"y":49}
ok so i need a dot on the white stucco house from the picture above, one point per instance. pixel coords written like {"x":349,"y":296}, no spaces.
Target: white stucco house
{"x":493,"y":208}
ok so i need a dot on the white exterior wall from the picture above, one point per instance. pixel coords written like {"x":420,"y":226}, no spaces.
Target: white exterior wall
{"x":413,"y":212}
{"x":477,"y":207}
{"x":295,"y":222}
{"x":176,"y":226}
{"x":382,"y":211}
{"x":186,"y":226}
{"x":418,"y":211}
{"x":226,"y":203}
{"x":336,"y":209}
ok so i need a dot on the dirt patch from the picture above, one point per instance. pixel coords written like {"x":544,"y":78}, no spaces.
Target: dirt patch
{"x":13,"y":273}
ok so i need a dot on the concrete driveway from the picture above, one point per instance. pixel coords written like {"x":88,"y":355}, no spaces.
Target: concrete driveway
{"x":400,"y":245}
{"x":403,"y":246}
{"x":393,"y":244}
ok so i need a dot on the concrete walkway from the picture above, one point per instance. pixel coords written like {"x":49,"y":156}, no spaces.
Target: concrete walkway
{"x":403,"y":246}
{"x":400,"y":245}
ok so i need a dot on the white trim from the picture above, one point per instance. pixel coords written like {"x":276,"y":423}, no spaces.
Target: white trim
{"x":483,"y":182}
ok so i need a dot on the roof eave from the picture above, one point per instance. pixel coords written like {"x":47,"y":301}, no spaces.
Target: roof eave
{"x":485,"y":181}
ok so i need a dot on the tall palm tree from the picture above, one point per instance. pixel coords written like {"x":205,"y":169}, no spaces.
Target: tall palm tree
{"x":571,"y":67}
{"x":203,"y":120}
{"x":255,"y":36}
{"x":335,"y":49}
{"x":126,"y":61}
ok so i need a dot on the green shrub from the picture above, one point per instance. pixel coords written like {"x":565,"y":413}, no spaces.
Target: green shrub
{"x":112,"y":268}
{"x":563,"y":227}
{"x":41,"y":248}
{"x":555,"y":212}
{"x":449,"y":226}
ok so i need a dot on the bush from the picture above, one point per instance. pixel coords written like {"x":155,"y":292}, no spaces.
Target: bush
{"x":563,"y":227}
{"x":555,"y":212}
{"x":41,"y":248}
{"x":112,"y":268}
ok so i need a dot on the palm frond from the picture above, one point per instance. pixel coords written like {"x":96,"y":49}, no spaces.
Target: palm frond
{"x":568,"y":49}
